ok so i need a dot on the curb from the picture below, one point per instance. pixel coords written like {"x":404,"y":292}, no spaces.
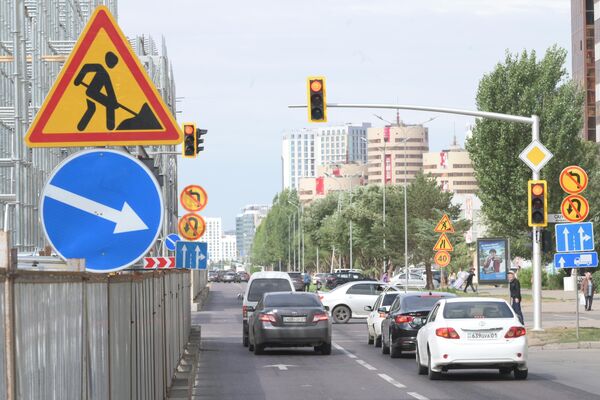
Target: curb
{"x":181,"y":385}
{"x":566,"y":346}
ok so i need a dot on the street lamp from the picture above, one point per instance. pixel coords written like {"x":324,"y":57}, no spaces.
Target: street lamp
{"x":300,"y":210}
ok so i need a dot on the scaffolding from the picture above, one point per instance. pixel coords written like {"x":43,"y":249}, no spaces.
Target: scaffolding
{"x":36,"y":37}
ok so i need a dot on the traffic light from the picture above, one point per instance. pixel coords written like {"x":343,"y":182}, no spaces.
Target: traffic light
{"x":189,"y":146}
{"x":200,"y":139}
{"x":317,"y":105}
{"x":537,"y":203}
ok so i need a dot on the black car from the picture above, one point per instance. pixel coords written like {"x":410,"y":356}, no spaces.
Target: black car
{"x":298,"y":280}
{"x":406,"y":316}
{"x":339,"y":278}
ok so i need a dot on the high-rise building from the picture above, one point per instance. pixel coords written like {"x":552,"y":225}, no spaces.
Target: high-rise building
{"x":452,"y":168}
{"x":245,"y":228}
{"x":297,"y":156}
{"x":341,"y":144}
{"x":395,"y":150}
{"x":212,"y":236}
{"x":585,"y":21}
{"x":332,"y":178}
{"x":228,"y":247}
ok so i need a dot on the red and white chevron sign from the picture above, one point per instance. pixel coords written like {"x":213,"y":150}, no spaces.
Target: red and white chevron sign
{"x":159,"y":262}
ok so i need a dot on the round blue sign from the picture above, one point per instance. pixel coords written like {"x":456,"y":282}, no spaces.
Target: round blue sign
{"x":104,"y":206}
{"x":171,"y":241}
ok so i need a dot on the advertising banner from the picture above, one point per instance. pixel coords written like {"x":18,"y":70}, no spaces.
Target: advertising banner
{"x":388,"y":169}
{"x":492,"y":260}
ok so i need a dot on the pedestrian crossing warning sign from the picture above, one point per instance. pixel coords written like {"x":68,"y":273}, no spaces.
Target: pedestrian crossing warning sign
{"x":445,"y":225}
{"x":443,"y":243}
{"x":103,"y":96}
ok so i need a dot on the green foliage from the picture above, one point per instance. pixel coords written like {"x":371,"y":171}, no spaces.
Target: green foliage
{"x":555,"y":281}
{"x":524,"y":85}
{"x":525,"y":275}
{"x":596,"y":279}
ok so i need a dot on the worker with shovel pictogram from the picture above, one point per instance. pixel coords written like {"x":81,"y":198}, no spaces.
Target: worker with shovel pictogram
{"x":100,"y":90}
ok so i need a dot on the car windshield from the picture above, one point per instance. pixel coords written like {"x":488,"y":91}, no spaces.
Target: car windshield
{"x":294,"y":275}
{"x":291,"y":300}
{"x":388,"y":299}
{"x":424,"y":302}
{"x":479,"y":309}
{"x":262,"y":286}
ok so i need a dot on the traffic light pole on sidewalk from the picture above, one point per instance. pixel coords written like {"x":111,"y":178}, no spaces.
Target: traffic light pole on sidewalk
{"x":534,"y":121}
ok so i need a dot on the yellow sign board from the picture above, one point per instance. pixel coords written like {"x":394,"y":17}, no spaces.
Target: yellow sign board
{"x":103,"y":96}
{"x":575,"y":208}
{"x":445,"y":225}
{"x":193,"y":198}
{"x":573,"y":179}
{"x":443,"y":244}
{"x":192,"y":226}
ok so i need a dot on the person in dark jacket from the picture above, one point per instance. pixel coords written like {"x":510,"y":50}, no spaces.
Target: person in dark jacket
{"x":588,"y":288}
{"x":469,"y":281}
{"x":515,"y":295}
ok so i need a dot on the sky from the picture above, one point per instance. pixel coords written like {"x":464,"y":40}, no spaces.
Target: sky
{"x":239,"y":64}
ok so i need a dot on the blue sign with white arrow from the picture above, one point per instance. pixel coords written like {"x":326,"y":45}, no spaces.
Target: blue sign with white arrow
{"x":192,"y":255}
{"x":576,"y":260}
{"x":171,"y":240}
{"x":574,"y":237}
{"x":103,"y":206}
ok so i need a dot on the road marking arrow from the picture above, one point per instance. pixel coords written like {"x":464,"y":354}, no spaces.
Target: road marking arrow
{"x":282,"y":367}
{"x":125,"y":220}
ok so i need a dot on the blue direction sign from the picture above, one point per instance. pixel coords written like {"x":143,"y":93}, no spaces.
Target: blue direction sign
{"x":576,"y":260}
{"x":192,"y":255}
{"x":574,"y":237}
{"x":103,"y":206}
{"x":171,"y":240}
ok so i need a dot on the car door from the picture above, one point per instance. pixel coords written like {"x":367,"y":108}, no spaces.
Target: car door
{"x":427,"y":329}
{"x":359,"y":296}
{"x":385,"y":324}
{"x":373,"y":314}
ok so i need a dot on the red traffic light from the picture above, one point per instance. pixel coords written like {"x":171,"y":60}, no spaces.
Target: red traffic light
{"x":537,"y":190}
{"x":189,"y":129}
{"x":316,"y":85}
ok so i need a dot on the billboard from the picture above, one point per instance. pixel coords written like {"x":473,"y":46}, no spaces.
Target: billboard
{"x":492,"y":260}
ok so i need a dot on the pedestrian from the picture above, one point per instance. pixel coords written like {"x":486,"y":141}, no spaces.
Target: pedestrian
{"x":307,"y":279}
{"x":469,"y":281}
{"x":588,"y":288}
{"x":452,"y":278}
{"x":515,"y":295}
{"x":385,"y":278}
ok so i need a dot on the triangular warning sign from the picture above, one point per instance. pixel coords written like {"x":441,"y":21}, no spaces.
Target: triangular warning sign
{"x":445,"y":225}
{"x":103,"y":96}
{"x":443,"y":243}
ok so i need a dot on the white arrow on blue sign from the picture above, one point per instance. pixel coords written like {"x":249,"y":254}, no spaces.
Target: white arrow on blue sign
{"x":192,"y":255}
{"x":574,"y":237}
{"x":103,"y":206}
{"x":576,"y":260}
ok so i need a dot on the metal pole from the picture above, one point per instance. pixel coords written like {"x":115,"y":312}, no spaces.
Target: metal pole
{"x":317,"y":259}
{"x":351,"y":263}
{"x":294,"y":246}
{"x":289,"y":243}
{"x":299,"y":241}
{"x":537,"y":248}
{"x":405,"y":217}
{"x":383,"y":217}
{"x":575,"y":273}
{"x":302,"y":209}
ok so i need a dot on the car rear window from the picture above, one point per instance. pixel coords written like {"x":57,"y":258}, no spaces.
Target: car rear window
{"x":258,"y":287}
{"x":479,"y":309}
{"x":291,"y":300}
{"x":420,"y":303}
{"x":294,"y":275}
{"x":388,"y":299}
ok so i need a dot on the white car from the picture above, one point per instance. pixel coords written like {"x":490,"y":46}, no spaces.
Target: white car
{"x":349,"y":300}
{"x":377,"y":314}
{"x":471,"y":333}
{"x":414,"y":280}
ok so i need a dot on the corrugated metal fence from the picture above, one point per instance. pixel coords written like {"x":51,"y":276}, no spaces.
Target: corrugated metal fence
{"x":78,"y":335}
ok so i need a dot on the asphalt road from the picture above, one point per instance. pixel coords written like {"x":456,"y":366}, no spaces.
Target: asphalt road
{"x":356,"y":370}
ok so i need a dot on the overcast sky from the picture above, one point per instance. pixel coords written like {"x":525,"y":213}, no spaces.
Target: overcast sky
{"x":238,"y":64}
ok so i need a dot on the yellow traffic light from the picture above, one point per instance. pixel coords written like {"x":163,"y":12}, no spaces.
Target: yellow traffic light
{"x":537,"y":203}
{"x":317,"y":99}
{"x":189,"y":147}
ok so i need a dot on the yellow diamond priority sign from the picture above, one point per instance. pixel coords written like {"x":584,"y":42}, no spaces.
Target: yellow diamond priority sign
{"x":536,"y":155}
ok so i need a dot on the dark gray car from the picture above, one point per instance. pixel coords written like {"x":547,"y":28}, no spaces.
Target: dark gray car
{"x":290,"y":319}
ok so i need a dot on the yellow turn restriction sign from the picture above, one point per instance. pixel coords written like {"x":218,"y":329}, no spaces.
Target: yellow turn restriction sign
{"x":575,"y":208}
{"x":573,"y":179}
{"x":445,"y":225}
{"x":103,"y":96}
{"x":192,"y":226}
{"x":193,"y":198}
{"x":443,"y":244}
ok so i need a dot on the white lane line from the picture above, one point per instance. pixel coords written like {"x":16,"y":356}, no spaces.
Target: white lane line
{"x":337,"y":346}
{"x":391,"y":380}
{"x":366,"y":365}
{"x":417,"y":396}
{"x":343,"y":350}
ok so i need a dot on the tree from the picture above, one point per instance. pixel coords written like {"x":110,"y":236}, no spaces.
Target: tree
{"x":524,"y":85}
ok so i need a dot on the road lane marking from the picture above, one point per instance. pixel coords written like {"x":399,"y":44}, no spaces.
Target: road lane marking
{"x":282,"y":367}
{"x":366,"y":365}
{"x":391,"y":380}
{"x":417,"y":396}
{"x":343,"y":350}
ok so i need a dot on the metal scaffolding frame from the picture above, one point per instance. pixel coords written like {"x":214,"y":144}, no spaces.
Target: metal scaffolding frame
{"x":36,"y":37}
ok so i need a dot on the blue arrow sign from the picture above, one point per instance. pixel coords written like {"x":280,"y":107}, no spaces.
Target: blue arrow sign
{"x":574,"y":237}
{"x":103,"y":206}
{"x":192,"y":255}
{"x":171,"y":240}
{"x":576,"y":260}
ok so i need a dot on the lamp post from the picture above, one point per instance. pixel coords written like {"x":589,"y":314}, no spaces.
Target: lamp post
{"x":300,"y":210}
{"x":289,"y":241}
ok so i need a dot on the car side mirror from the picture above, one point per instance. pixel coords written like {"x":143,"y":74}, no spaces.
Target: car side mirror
{"x":326,"y":308}
{"x":368,"y":308}
{"x":384,"y":309}
{"x":240,"y":296}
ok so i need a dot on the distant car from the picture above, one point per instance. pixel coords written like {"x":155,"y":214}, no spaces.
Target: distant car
{"x":339,"y":278}
{"x":292,"y":319}
{"x":230,"y":277}
{"x":350,"y":299}
{"x":243,"y":276}
{"x":321,"y":277}
{"x":259,"y":284}
{"x":414,"y":280}
{"x":213,"y":276}
{"x":298,"y":280}
{"x":407,"y":314}
{"x":220,"y":275}
{"x":472,"y":333}
{"x":378,"y":313}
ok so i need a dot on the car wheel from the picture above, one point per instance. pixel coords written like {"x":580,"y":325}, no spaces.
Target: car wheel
{"x":385,"y":349}
{"x":420,"y":369}
{"x":433,"y":375}
{"x":520,"y":374}
{"x":325,"y":348}
{"x":341,"y":315}
{"x":505,"y":371}
{"x":250,"y":347}
{"x":378,"y":341}
{"x":394,"y":352}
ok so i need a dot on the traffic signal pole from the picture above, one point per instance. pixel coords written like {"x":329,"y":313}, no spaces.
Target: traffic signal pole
{"x":534,"y":121}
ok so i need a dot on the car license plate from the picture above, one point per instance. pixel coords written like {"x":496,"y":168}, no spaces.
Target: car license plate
{"x":294,"y":319}
{"x":482,"y":335}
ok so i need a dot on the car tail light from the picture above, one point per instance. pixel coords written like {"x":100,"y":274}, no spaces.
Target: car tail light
{"x":448,"y":333}
{"x":402,"y":319}
{"x":244,"y":311}
{"x":515,"y":332}
{"x":267,"y":318}
{"x":320,"y":317}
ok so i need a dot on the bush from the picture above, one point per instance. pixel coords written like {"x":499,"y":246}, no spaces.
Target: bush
{"x":526,"y":274}
{"x":596,"y":279}
{"x":556,"y":281}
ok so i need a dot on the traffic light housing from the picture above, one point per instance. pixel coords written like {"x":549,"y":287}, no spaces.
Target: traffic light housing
{"x":317,"y":100}
{"x":200,"y":139}
{"x":537,"y":192}
{"x":189,"y":147}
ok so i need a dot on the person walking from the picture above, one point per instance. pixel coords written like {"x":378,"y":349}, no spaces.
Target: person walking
{"x":588,"y":288}
{"x":469,"y":281}
{"x":385,"y":278}
{"x":307,"y":279}
{"x":515,"y":295}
